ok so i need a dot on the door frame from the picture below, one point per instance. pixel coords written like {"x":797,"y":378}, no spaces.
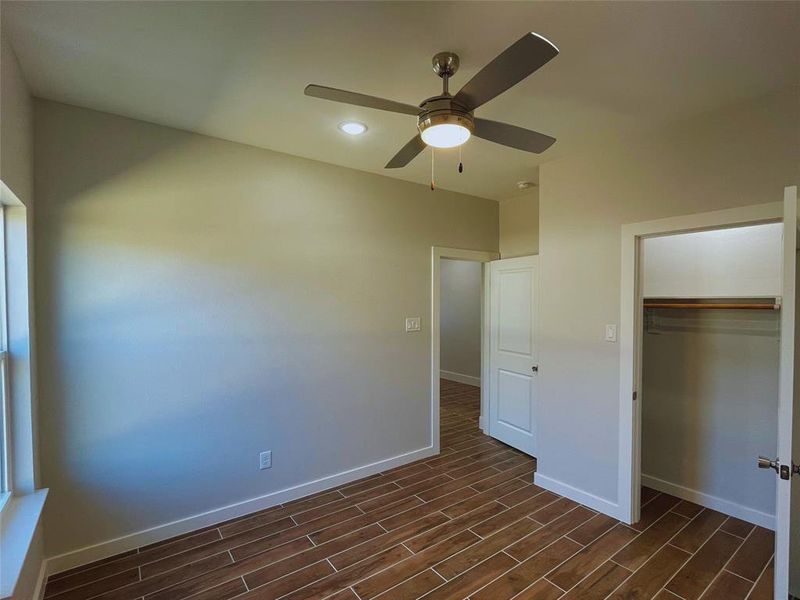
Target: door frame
{"x":630,"y":331}
{"x":437,"y":254}
{"x":786,"y":394}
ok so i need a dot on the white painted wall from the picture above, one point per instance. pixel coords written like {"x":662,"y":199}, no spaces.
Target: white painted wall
{"x":710,"y":403}
{"x":735,"y":157}
{"x":460,"y":320}
{"x":742,"y":262}
{"x":202,"y":300}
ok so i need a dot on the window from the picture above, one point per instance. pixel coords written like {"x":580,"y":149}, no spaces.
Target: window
{"x":21,"y":502}
{"x":5,"y":425}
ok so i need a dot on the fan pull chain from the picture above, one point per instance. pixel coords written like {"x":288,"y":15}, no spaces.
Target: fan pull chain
{"x":433,"y":153}
{"x":460,"y":164}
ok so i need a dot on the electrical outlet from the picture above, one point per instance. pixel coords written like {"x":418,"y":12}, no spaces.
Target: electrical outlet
{"x":265,"y":460}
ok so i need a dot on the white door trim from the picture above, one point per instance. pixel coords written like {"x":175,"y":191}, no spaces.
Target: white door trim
{"x":437,"y":254}
{"x":630,"y":339}
{"x":786,"y":394}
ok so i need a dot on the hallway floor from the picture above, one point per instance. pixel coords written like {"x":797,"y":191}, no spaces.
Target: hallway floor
{"x":465,"y":524}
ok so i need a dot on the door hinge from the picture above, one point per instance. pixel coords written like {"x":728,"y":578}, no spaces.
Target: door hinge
{"x":635,"y":396}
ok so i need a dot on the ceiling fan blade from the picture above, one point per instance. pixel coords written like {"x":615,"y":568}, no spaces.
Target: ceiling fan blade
{"x":512,"y":66}
{"x":407,"y":153}
{"x":328,"y":93}
{"x":511,"y":135}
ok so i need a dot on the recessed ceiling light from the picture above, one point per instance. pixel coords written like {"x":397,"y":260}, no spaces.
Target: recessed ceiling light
{"x":352,"y":127}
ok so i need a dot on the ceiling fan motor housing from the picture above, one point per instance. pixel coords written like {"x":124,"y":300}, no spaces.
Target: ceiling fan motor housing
{"x":443,"y":110}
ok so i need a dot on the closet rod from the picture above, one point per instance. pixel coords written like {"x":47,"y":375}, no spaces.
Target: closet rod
{"x":715,"y":306}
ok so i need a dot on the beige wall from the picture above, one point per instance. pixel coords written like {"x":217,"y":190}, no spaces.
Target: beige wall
{"x":16,"y":126}
{"x":201,"y":301}
{"x":519,"y":225}
{"x":740,"y":156}
{"x":460,"y":317}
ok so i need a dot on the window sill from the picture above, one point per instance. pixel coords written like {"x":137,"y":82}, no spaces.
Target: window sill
{"x":18,"y":521}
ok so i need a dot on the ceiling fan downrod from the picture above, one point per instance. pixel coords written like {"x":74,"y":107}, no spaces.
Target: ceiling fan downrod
{"x":445,"y":65}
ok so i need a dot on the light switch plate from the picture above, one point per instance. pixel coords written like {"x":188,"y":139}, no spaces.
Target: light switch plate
{"x":611,"y":333}
{"x":265,"y":460}
{"x":412,"y":324}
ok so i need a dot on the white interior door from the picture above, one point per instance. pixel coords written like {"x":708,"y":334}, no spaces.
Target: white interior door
{"x":513,"y":353}
{"x":787,"y":511}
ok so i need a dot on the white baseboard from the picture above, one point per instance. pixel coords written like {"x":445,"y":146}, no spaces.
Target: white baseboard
{"x":612,"y":509}
{"x":733,"y":509}
{"x":88,"y":554}
{"x":460,"y":378}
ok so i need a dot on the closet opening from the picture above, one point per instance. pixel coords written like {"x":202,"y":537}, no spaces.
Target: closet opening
{"x":709,"y":402}
{"x":710,"y":352}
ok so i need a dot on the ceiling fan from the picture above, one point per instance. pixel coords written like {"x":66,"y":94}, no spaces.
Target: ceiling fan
{"x":447,"y":121}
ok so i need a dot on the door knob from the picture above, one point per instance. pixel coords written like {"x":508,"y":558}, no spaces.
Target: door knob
{"x":766,"y":463}
{"x":535,"y":368}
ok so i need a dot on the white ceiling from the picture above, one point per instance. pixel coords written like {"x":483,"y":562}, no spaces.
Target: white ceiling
{"x":237,"y":70}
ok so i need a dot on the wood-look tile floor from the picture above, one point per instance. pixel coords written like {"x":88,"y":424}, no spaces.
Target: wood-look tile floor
{"x":465,"y":524}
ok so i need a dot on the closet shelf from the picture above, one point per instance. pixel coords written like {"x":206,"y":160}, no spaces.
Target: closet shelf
{"x":713,"y":305}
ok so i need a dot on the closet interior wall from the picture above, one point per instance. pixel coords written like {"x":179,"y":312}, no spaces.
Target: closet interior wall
{"x":710,"y":377}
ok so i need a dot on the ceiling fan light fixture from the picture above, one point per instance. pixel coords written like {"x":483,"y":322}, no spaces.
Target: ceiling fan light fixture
{"x":447,"y":135}
{"x":445,"y":130}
